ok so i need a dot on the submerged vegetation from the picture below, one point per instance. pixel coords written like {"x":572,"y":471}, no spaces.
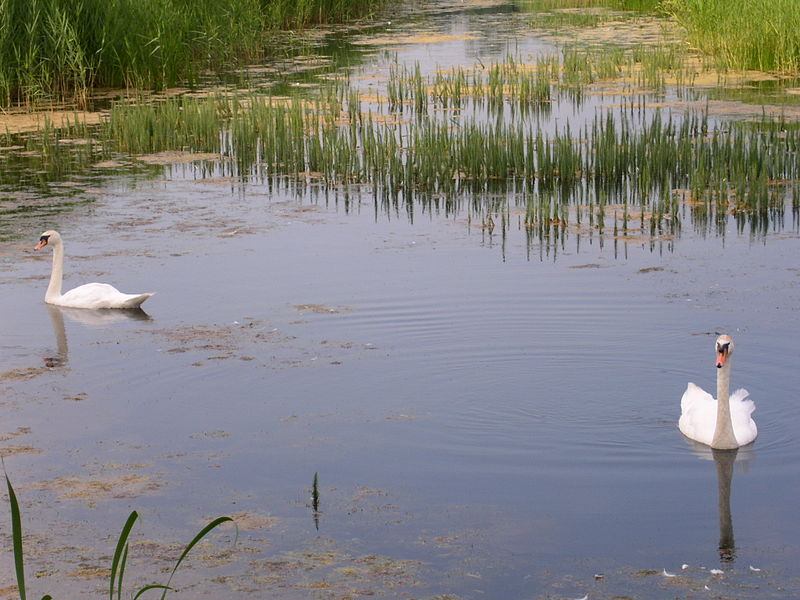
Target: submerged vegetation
{"x":61,"y":49}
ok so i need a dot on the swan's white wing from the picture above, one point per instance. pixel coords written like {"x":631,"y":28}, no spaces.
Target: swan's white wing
{"x":100,"y":295}
{"x":698,"y":414}
{"x":744,"y":428}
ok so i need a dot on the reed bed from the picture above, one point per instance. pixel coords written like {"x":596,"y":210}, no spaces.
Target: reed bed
{"x":471,"y":136}
{"x":634,"y":5}
{"x":402,"y":149}
{"x":63,"y":49}
{"x":529,"y":87}
{"x":750,"y":34}
{"x":291,"y":14}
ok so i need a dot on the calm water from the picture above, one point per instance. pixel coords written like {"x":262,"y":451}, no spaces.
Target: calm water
{"x":488,"y":419}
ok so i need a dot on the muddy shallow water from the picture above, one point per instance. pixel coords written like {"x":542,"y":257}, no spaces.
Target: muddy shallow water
{"x":489,"y":417}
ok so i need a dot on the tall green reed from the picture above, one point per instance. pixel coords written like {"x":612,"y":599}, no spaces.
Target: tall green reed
{"x":340,"y":142}
{"x":62,"y":49}
{"x":749,"y":34}
{"x":479,"y":132}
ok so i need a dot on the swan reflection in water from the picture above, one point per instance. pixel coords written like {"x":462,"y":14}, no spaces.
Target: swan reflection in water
{"x":724,"y":461}
{"x":87,"y":317}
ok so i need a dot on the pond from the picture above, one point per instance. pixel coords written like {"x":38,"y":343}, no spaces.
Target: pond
{"x":488,"y":413}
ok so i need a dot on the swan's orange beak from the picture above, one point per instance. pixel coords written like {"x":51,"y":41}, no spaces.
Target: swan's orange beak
{"x":722,"y":356}
{"x":42,"y":243}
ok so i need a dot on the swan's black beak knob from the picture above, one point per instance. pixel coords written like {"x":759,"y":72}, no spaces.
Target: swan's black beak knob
{"x":722,"y":355}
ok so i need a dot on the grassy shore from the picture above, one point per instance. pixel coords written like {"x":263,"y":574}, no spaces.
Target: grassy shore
{"x":746,"y":34}
{"x":737,"y":34}
{"x":62,"y":49}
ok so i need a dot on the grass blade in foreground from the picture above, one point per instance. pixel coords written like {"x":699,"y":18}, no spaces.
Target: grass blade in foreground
{"x":16,"y":534}
{"x":147,"y":588}
{"x":121,"y":556}
{"x":203,"y":533}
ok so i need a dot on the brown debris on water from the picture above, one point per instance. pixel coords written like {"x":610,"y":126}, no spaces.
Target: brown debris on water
{"x":176,"y":157}
{"x":89,"y":489}
{"x":28,"y":121}
{"x":322,"y":308}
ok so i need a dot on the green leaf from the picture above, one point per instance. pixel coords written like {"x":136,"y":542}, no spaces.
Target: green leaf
{"x":121,"y":554}
{"x":16,"y":534}
{"x":147,"y":588}
{"x":203,"y":532}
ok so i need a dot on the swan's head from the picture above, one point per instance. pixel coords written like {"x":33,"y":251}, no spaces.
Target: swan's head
{"x":724,"y":347}
{"x":47,"y":237}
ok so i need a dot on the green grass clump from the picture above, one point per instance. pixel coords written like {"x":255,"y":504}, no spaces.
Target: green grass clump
{"x":743,"y":34}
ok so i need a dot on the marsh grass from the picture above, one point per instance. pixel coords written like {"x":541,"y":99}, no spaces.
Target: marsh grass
{"x":553,"y":20}
{"x":63,"y":49}
{"x":337,"y":140}
{"x":290,"y":14}
{"x":634,"y":5}
{"x":477,"y":133}
{"x":756,"y":35}
{"x":120,"y":558}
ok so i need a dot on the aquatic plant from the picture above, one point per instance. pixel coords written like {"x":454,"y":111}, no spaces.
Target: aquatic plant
{"x":119,"y":560}
{"x":493,"y":144}
{"x":756,"y":35}
{"x":60,"y":49}
{"x":315,"y":500}
{"x":288,"y":14}
{"x":634,"y":5}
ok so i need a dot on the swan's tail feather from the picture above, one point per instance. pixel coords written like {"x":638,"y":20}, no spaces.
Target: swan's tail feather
{"x":136,"y":301}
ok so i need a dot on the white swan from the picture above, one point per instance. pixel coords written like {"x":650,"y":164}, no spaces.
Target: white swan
{"x":91,"y":295}
{"x":724,"y":423}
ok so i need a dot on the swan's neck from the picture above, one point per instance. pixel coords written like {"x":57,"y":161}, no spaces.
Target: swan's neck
{"x":57,"y":274}
{"x":723,"y":432}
